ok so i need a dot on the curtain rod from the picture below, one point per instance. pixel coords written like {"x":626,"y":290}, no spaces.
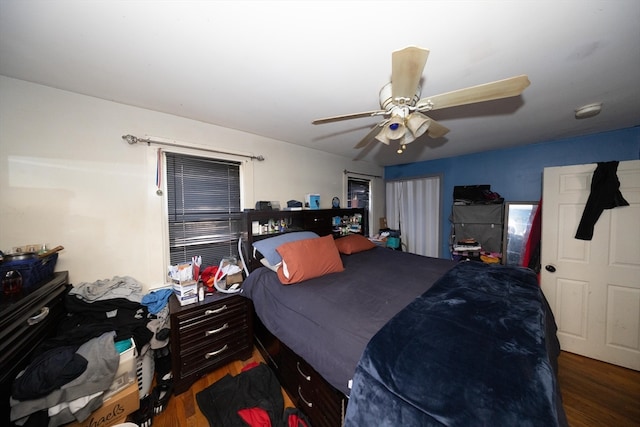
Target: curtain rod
{"x":134,"y":140}
{"x":364,"y":174}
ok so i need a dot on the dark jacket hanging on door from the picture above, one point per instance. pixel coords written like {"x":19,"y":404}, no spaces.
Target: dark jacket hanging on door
{"x":605,"y":194}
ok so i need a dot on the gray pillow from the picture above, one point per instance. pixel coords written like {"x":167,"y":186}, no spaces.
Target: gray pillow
{"x":267,"y":247}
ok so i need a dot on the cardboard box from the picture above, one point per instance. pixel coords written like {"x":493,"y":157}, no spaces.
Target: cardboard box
{"x":126,"y":373}
{"x":312,"y":201}
{"x":383,"y":223}
{"x":186,"y":292}
{"x":114,"y":410}
{"x":187,"y":300}
{"x":234,"y":278}
{"x":184,"y":287}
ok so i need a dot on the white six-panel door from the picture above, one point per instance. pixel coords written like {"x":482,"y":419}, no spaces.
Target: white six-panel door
{"x":593,"y":286}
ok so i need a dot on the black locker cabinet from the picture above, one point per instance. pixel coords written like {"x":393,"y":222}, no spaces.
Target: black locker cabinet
{"x":484,"y":223}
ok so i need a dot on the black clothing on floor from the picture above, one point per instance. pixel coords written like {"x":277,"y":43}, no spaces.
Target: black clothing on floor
{"x":256,"y":388}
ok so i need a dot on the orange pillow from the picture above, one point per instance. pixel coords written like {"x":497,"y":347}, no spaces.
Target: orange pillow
{"x":354,"y":243}
{"x":308,"y":258}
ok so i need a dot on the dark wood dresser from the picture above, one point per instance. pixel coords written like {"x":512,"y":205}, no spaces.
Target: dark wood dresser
{"x":26,"y":320}
{"x":208,"y":334}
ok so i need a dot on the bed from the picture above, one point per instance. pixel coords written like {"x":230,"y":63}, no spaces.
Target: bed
{"x":410,"y":340}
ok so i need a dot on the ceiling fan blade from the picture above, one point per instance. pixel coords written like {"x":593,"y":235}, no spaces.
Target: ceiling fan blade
{"x":369,"y":138}
{"x":349,"y":116}
{"x":436,"y":130}
{"x":506,"y":88}
{"x":406,"y":69}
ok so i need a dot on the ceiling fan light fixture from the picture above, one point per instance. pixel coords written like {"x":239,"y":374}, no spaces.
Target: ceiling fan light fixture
{"x":418,"y":124}
{"x":588,"y":110}
{"x":395,"y":129}
{"x":387,"y":101}
{"x":382,"y":137}
{"x":402,"y":107}
{"x":408,"y":139}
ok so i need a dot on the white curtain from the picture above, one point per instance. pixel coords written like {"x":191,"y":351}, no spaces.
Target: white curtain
{"x":413,"y":207}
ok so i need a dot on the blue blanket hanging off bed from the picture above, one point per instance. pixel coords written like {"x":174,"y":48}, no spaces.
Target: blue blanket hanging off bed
{"x":477,"y":349}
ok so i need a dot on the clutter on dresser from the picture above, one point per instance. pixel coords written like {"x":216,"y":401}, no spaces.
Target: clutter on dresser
{"x":184,"y":279}
{"x":190,"y":285}
{"x":226,"y":277}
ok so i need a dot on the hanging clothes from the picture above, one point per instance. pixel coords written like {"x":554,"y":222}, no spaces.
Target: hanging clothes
{"x":605,"y":194}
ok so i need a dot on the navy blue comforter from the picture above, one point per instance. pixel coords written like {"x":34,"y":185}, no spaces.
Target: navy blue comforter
{"x":477,"y":349}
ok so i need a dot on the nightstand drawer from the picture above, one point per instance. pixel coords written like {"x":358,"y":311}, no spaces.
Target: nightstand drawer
{"x":210,"y":328}
{"x":207,"y":334}
{"x":202,"y":314}
{"x":212,"y":354}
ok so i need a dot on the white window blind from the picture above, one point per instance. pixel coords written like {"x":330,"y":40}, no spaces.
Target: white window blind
{"x":203,"y":200}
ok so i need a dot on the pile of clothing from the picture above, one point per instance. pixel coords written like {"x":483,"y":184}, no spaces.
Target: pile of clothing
{"x":252,"y":398}
{"x":68,"y":375}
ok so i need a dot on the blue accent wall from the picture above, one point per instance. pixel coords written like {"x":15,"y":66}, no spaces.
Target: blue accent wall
{"x":516,"y":173}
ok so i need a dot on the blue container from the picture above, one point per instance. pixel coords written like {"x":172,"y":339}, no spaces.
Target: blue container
{"x":393,"y":242}
{"x":33,"y":271}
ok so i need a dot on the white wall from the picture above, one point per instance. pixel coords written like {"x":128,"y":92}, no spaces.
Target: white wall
{"x":67,"y":178}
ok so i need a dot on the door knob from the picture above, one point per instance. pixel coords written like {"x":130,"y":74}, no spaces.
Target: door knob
{"x":550,"y":268}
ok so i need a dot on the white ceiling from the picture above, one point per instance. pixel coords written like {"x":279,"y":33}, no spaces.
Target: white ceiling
{"x":271,"y":67}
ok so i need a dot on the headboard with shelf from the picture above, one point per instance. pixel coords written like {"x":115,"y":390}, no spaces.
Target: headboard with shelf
{"x":263,"y":224}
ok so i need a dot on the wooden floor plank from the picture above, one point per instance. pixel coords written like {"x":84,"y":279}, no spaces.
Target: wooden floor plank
{"x":595,"y":393}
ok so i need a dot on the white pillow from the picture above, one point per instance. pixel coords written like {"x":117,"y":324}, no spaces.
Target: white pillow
{"x":267,"y":247}
{"x":266,"y":263}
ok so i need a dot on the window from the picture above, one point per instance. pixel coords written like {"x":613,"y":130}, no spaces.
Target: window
{"x":358,"y":190}
{"x":203,"y":200}
{"x":358,"y":193}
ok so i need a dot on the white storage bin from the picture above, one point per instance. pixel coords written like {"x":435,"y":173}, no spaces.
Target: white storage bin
{"x":126,"y":373}
{"x":145,"y":369}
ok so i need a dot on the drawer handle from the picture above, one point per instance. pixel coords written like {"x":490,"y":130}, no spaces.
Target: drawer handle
{"x":215,"y":331}
{"x":305,"y":376}
{"x":44,"y":312}
{"x":217,"y":310}
{"x":215,"y":353}
{"x":309,"y":404}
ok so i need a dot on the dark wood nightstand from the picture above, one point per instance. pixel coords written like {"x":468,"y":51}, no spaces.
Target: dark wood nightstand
{"x":208,"y":334}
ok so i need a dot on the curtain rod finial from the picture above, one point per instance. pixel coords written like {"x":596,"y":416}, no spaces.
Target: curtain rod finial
{"x":130,"y":139}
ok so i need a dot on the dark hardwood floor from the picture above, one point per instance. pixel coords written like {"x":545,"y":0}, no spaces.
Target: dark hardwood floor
{"x":598,"y":394}
{"x":595,"y":394}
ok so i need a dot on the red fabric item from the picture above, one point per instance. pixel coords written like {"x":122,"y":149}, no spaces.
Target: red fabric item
{"x":255,"y":417}
{"x":250,"y":366}
{"x":208,"y":275}
{"x":534,"y":237}
{"x":296,"y":421}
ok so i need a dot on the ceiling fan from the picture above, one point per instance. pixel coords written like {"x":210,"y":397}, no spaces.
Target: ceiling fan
{"x":403,"y":109}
